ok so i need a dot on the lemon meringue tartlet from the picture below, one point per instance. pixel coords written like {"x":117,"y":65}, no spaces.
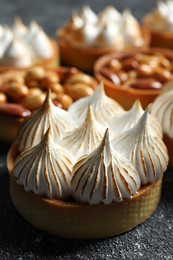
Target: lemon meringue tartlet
{"x":162,"y":109}
{"x":22,"y":46}
{"x":87,"y":36}
{"x":24,"y":91}
{"x":88,"y":183}
{"x":159,"y":24}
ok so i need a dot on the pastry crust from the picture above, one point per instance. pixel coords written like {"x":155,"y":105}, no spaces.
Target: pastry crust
{"x":169,"y":144}
{"x":81,"y":221}
{"x":121,"y":93}
{"x":84,"y":57}
{"x":9,"y":128}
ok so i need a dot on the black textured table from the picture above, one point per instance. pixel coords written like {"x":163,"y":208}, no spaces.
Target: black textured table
{"x":152,"y":240}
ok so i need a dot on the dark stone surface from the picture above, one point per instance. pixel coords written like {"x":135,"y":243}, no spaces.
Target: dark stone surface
{"x":152,"y":240}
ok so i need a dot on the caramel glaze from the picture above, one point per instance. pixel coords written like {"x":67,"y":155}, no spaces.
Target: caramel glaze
{"x":14,"y":110}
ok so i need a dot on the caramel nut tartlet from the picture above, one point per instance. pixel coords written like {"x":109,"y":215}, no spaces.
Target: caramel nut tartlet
{"x":135,"y":74}
{"x":87,"y":36}
{"x":23,"y":91}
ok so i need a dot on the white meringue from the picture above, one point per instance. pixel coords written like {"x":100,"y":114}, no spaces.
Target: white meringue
{"x":145,"y":149}
{"x":128,"y":119}
{"x":103,"y":176}
{"x":16,"y":54}
{"x":88,"y":16}
{"x":103,"y":107}
{"x":38,"y":41}
{"x":162,"y":108}
{"x":109,"y":13}
{"x":84,"y":138}
{"x":45,"y":169}
{"x":130,"y":30}
{"x":18,"y":28}
{"x":48,"y":115}
{"x":6,"y":38}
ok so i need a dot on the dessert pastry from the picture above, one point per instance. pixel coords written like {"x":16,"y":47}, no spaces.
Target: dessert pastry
{"x":74,"y":192}
{"x":22,"y":46}
{"x":87,"y":36}
{"x":162,"y":108}
{"x":159,"y":23}
{"x":135,"y":74}
{"x":23,"y":91}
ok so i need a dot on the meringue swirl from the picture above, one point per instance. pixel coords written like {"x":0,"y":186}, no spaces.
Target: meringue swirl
{"x":127,"y":119}
{"x":103,"y":176}
{"x":48,"y":115}
{"x":84,"y":138}
{"x":45,"y":169}
{"x":103,"y":107}
{"x":145,"y":149}
{"x":162,"y":108}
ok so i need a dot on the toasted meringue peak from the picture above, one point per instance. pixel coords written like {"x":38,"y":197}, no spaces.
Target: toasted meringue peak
{"x":130,"y":29}
{"x":86,"y":137}
{"x":128,"y":119}
{"x":45,"y":169}
{"x":5,"y":39}
{"x":48,"y":115}
{"x":75,"y":21}
{"x":88,"y":15}
{"x":39,"y":42}
{"x":145,"y":149}
{"x":162,"y":108}
{"x":18,"y":28}
{"x":103,"y":176}
{"x":109,"y":13}
{"x":16,"y":55}
{"x":109,"y":34}
{"x":102,"y":106}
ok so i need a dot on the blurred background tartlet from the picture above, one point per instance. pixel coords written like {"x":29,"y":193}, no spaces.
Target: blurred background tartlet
{"x":23,"y":46}
{"x":159,"y":22}
{"x":23,"y":91}
{"x":135,"y":74}
{"x":87,"y":35}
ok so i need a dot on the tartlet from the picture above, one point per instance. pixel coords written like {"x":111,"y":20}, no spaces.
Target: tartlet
{"x":98,"y":191}
{"x":23,"y":91}
{"x":162,"y":109}
{"x":87,"y":36}
{"x":135,"y":74}
{"x":22,"y":46}
{"x":159,"y":24}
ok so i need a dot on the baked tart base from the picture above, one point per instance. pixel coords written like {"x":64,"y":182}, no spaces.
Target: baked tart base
{"x":81,"y":221}
{"x":9,"y":128}
{"x":169,"y":144}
